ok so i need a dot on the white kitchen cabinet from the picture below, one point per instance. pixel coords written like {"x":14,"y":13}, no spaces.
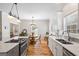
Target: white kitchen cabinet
{"x":12,"y":52}
{"x":56,"y":48}
{"x":50,"y":43}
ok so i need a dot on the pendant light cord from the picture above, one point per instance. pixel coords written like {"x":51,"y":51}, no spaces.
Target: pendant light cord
{"x":12,"y":8}
{"x":17,"y":11}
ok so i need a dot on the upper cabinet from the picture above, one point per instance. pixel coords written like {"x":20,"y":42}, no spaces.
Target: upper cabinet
{"x":70,"y":12}
{"x":13,"y":20}
{"x":72,"y":22}
{"x":14,"y":26}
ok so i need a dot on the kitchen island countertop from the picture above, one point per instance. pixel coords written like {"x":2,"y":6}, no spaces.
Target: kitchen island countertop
{"x":5,"y":47}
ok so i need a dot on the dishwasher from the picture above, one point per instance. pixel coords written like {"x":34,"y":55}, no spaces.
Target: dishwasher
{"x":67,"y":53}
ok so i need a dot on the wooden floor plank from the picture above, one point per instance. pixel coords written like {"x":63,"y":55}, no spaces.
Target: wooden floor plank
{"x":39,"y":49}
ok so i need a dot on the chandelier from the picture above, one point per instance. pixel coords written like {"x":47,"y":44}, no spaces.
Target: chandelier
{"x":11,"y":14}
{"x":33,"y":25}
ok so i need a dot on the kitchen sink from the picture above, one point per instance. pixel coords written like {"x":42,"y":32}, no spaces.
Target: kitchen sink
{"x":63,"y":41}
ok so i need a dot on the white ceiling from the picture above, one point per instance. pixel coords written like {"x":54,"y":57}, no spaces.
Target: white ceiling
{"x":37,"y":10}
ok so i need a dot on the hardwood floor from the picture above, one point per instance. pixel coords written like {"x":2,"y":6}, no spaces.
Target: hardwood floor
{"x":39,"y":49}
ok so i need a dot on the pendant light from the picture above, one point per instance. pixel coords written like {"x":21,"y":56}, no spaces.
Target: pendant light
{"x":10,"y":13}
{"x":33,"y":25}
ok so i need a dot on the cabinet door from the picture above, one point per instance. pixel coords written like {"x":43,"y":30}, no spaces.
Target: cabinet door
{"x":50,"y":43}
{"x":53,"y":47}
{"x":14,"y":51}
{"x":59,"y":50}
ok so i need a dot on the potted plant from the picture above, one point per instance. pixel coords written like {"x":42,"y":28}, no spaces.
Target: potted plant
{"x":24,"y":32}
{"x":47,"y":33}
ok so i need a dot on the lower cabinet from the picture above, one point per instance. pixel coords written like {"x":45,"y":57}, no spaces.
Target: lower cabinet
{"x":56,"y":49}
{"x":50,"y":43}
{"x":53,"y":47}
{"x":13,"y":52}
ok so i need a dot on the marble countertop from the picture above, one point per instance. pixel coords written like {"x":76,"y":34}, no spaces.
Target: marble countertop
{"x":74,"y":47}
{"x":5,"y":47}
{"x":16,"y":37}
{"x":23,"y":37}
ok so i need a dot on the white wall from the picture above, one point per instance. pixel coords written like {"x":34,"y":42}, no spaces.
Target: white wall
{"x":52,"y":23}
{"x":69,"y":8}
{"x":43,"y":25}
{"x":5,"y":27}
{"x":5,"y":23}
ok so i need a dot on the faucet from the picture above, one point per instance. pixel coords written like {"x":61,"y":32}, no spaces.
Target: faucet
{"x":68,"y":34}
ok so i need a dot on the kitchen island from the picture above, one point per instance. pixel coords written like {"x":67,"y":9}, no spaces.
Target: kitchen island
{"x":15,"y":46}
{"x":9,"y":49}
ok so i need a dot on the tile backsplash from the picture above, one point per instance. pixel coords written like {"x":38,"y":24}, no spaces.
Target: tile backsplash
{"x":74,"y":39}
{"x":72,"y":28}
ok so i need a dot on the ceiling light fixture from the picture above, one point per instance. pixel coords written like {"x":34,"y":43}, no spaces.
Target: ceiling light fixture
{"x":10,"y":13}
{"x":33,"y":25}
